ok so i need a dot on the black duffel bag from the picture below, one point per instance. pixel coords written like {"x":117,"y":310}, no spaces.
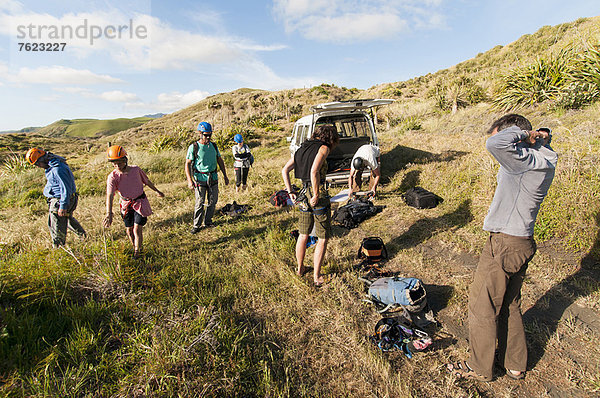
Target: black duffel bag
{"x":421,"y":198}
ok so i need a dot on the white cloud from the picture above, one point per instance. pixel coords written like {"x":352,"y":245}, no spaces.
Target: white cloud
{"x":302,"y":8}
{"x":50,"y":98}
{"x":141,"y":41}
{"x":255,"y":74}
{"x":10,"y":6}
{"x":169,"y":102}
{"x":59,"y":75}
{"x":348,"y":21}
{"x":118,"y":96}
{"x":3,"y":70}
{"x":72,"y":90}
{"x":167,"y":47}
{"x":348,"y":27}
{"x":111,"y":96}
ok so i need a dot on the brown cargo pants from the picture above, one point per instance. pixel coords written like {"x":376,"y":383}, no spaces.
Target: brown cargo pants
{"x":495,"y":304}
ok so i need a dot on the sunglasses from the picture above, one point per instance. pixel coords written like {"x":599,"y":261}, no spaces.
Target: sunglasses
{"x":207,"y":135}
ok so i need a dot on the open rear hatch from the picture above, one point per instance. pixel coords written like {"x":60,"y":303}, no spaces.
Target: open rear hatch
{"x":361,"y":104}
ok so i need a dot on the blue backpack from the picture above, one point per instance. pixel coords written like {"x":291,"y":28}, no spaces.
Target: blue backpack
{"x":390,"y":292}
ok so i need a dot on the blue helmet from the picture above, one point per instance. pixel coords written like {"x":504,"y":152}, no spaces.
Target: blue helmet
{"x":204,"y":127}
{"x":238,"y":138}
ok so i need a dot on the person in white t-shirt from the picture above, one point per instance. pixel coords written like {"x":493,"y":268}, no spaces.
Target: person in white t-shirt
{"x":367,"y":156}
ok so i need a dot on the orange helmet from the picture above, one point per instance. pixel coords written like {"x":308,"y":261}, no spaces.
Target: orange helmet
{"x":116,"y":152}
{"x":34,"y":154}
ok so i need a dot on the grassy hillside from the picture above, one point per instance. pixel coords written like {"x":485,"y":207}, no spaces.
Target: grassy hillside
{"x":222,"y":313}
{"x":90,"y":127}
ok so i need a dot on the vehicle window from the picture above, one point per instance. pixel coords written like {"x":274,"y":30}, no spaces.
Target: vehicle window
{"x":295,"y":135}
{"x":361,"y":129}
{"x":300,"y":134}
{"x":348,"y":126}
{"x":303,"y":132}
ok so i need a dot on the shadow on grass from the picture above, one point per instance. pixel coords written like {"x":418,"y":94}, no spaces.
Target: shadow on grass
{"x":548,"y":310}
{"x":397,"y":159}
{"x":410,"y":180}
{"x":184,"y":218}
{"x":425,"y":228}
{"x":438,"y":296}
{"x":188,"y":217}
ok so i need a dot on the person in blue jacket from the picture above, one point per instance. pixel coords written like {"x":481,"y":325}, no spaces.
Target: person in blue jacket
{"x":61,"y":193}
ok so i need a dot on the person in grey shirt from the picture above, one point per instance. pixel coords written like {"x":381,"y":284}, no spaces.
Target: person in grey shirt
{"x":527,"y":167}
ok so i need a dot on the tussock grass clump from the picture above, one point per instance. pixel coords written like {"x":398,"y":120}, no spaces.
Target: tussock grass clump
{"x":570,"y":80}
{"x":14,"y":164}
{"x":533,"y":84}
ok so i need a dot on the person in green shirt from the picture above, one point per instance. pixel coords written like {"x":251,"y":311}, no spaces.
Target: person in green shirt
{"x":201,"y":163}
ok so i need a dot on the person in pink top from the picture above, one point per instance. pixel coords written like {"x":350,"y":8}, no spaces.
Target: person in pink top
{"x":129,"y":181}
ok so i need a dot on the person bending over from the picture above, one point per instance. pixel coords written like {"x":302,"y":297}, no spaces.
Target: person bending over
{"x":367,"y":156}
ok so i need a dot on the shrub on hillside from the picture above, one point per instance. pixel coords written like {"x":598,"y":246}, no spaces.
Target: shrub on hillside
{"x":260,"y":122}
{"x":264,"y":122}
{"x":224,"y":138}
{"x":543,"y":80}
{"x":576,"y":95}
{"x":458,"y":93}
{"x":296,"y":109}
{"x":584,"y":81}
{"x":14,"y":164}
{"x":394,"y":90}
{"x":569,"y":80}
{"x":406,"y":123}
{"x":179,"y":138}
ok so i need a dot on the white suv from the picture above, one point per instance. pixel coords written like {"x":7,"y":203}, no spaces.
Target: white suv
{"x":353,"y":123}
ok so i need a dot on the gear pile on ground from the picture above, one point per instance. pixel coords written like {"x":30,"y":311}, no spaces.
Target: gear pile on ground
{"x":356,"y":211}
{"x":234,"y":209}
{"x":396,"y":334}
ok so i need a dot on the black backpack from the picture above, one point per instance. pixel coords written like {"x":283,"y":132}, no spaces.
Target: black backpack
{"x":279,"y":198}
{"x":421,"y":198}
{"x":355,"y":212}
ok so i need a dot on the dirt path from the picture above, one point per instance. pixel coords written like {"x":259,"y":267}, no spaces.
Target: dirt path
{"x":561,"y":330}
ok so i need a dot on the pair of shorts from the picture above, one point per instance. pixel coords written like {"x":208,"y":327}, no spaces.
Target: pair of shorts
{"x":133,"y":217}
{"x":321,"y":221}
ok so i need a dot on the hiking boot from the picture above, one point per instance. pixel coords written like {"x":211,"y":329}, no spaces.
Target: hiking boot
{"x":195,"y":230}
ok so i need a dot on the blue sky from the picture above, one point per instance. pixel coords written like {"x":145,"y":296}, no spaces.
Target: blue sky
{"x":172,"y":54}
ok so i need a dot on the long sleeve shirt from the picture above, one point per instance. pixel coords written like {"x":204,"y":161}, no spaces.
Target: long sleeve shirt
{"x":60,"y":181}
{"x":524,"y":178}
{"x":241,"y":156}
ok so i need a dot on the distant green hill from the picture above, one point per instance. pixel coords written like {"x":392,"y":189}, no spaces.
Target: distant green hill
{"x":23,"y":130}
{"x":90,"y":127}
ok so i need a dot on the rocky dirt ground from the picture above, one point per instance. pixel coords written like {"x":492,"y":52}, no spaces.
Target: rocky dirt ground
{"x":562,"y":327}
